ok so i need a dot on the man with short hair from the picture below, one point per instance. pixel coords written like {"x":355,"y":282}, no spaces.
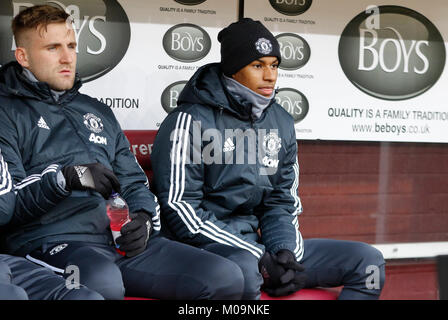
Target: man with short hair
{"x":66,"y":153}
{"x":226,"y":174}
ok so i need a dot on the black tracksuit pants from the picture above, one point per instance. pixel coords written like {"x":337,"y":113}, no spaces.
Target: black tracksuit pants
{"x":23,"y":280}
{"x":165,"y":270}
{"x":172,"y":270}
{"x":357,"y":266}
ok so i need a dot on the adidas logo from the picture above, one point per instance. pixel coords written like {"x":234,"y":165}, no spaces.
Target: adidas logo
{"x":80,"y":170}
{"x":42,"y":124}
{"x":228,"y":145}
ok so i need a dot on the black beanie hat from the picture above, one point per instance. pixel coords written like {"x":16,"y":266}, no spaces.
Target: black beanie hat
{"x":243,"y":42}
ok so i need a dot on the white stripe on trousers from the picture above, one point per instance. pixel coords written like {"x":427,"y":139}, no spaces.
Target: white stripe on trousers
{"x":44,"y":264}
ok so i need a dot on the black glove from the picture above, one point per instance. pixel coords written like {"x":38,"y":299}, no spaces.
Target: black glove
{"x":270,"y":270}
{"x":282,"y":274}
{"x":135,"y":234}
{"x":91,"y":176}
{"x":287,"y":259}
{"x":297,"y":283}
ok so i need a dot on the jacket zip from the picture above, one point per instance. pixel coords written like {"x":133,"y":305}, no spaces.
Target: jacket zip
{"x":257,"y":168}
{"x":68,"y":117}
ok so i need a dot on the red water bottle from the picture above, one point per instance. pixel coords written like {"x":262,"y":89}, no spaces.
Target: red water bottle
{"x":118,"y":213}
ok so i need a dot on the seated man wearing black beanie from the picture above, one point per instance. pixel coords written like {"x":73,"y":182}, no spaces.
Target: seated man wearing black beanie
{"x":226,"y":174}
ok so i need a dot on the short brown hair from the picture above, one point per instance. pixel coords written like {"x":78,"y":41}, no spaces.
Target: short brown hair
{"x":35,"y":17}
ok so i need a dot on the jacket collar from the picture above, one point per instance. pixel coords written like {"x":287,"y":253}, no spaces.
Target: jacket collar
{"x":14,"y":82}
{"x":239,"y":91}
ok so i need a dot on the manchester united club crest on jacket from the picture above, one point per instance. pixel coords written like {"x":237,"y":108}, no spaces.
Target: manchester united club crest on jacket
{"x":93,"y":123}
{"x":271,"y":146}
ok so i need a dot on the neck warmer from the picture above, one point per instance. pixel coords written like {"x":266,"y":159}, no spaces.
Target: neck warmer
{"x":30,"y":76}
{"x":241,"y":92}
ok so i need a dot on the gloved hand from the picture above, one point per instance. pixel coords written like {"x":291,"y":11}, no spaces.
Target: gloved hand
{"x":281,"y":272}
{"x":289,"y":288}
{"x":135,"y":234}
{"x":91,"y":176}
{"x":287,"y":259}
{"x":270,"y":270}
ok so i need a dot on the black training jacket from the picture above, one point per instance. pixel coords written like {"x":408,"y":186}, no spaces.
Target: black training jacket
{"x":39,"y":136}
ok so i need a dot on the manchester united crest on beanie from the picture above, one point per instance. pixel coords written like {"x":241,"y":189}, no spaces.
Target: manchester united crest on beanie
{"x":243,"y":42}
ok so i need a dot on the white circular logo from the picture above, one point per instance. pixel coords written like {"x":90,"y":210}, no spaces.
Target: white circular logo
{"x":272,"y":144}
{"x":58,"y":248}
{"x":93,"y":123}
{"x":264,"y":46}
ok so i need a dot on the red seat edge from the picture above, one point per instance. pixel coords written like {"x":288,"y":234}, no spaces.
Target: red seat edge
{"x":304,"y":294}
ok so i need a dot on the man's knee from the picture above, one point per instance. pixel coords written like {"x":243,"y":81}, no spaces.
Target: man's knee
{"x":9,"y":291}
{"x":370,"y":257}
{"x":223,"y":280}
{"x":104,"y":278}
{"x":5,"y":273}
{"x":82,"y":293}
{"x":12,"y":292}
{"x":375,"y":265}
{"x":253,"y":280}
{"x":371,"y":265}
{"x":99,"y":274}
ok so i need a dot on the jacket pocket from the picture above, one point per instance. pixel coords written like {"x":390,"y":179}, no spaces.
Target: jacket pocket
{"x":71,"y":206}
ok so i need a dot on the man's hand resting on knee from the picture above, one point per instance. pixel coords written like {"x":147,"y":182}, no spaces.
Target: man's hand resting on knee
{"x":282,"y":274}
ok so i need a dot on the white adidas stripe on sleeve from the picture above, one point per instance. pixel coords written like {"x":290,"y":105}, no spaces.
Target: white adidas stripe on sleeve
{"x":298,"y":251}
{"x":35,"y":177}
{"x":5,"y":177}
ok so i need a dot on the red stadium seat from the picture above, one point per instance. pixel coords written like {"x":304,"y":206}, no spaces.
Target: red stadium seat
{"x":307,"y":294}
{"x":141,"y":145}
{"x":304,"y":294}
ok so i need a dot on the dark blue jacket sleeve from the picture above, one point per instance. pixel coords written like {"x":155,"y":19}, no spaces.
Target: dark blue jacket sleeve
{"x":33,"y":195}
